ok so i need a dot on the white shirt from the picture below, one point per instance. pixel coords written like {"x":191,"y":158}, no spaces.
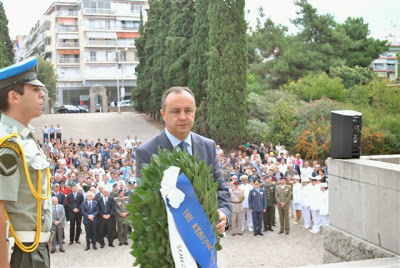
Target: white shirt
{"x":306,"y":195}
{"x":324,"y":203}
{"x":315,"y":197}
{"x":175,"y":141}
{"x":246,"y":189}
{"x":297,"y":191}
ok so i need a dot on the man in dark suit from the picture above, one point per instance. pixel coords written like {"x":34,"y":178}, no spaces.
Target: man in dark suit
{"x":60,"y":196}
{"x":258,"y":206}
{"x":90,"y":210}
{"x":74,"y":201}
{"x":178,"y":109}
{"x":106,"y":218}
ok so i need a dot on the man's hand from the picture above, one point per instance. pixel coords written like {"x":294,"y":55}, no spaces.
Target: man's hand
{"x":222,"y":222}
{"x":76,"y":210}
{"x":251,"y":211}
{"x":90,"y":217}
{"x":283,"y":204}
{"x":264,"y":210}
{"x":56,"y":223}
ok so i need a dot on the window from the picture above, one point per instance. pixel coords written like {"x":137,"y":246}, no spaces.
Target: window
{"x":92,"y":41}
{"x":107,"y":24}
{"x":109,"y":55}
{"x":91,"y":24}
{"x":92,"y":55}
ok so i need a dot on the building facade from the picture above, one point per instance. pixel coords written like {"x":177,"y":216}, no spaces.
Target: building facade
{"x":89,"y":42}
{"x":387,"y":65}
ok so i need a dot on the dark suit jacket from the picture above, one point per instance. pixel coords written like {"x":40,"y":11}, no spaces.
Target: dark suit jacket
{"x":74,"y":203}
{"x":206,"y":150}
{"x":258,"y":201}
{"x":109,"y":210}
{"x":60,"y":196}
{"x":86,"y":211}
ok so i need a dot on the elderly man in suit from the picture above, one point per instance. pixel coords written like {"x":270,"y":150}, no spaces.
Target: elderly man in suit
{"x":90,"y":210}
{"x":178,"y":109}
{"x":74,"y":202}
{"x":106,"y":218}
{"x":258,"y":206}
{"x":58,"y":224}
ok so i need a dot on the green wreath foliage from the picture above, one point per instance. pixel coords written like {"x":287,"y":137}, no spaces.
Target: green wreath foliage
{"x":148,"y":216}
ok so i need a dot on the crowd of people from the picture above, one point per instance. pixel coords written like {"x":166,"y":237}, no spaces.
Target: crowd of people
{"x":93,"y":181}
{"x":265,"y":179}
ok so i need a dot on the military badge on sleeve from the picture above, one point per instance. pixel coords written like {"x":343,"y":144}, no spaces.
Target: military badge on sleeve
{"x":8,"y":164}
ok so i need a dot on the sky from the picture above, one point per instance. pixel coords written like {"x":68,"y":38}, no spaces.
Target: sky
{"x":383,"y":16}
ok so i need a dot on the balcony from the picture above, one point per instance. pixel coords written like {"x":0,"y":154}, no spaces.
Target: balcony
{"x":68,"y":44}
{"x":101,"y":43}
{"x":67,"y":28}
{"x":66,"y":13}
{"x":97,"y":11}
{"x":112,"y":28}
{"x":68,"y":60}
{"x":126,"y":43}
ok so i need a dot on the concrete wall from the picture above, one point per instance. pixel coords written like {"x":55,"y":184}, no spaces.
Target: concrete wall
{"x":364,"y":208}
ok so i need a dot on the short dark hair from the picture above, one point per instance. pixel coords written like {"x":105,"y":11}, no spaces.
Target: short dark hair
{"x":4,"y":105}
{"x":177,"y":90}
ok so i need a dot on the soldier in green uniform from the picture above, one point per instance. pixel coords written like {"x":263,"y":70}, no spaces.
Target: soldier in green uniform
{"x":121,"y":212}
{"x":270,"y":190}
{"x":25,"y":204}
{"x":283,"y":192}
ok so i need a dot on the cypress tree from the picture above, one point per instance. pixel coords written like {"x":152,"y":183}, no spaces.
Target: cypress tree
{"x":6,"y":46}
{"x":199,"y":50}
{"x":140,"y":92}
{"x":160,"y":34}
{"x":226,"y":85}
{"x":178,"y":42}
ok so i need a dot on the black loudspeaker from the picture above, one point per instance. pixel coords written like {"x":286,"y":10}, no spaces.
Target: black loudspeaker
{"x":346,"y":128}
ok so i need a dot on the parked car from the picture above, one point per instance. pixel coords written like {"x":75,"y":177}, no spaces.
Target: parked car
{"x":83,"y":109}
{"x":68,"y":109}
{"x":125,"y":103}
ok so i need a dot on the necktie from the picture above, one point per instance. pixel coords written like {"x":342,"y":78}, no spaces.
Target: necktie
{"x":90,"y":205}
{"x":105,"y":205}
{"x":74,"y":196}
{"x":183,"y":146}
{"x":55,"y":211}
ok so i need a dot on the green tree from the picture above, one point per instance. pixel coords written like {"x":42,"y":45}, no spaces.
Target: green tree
{"x":162,"y":17}
{"x":47,"y":76}
{"x":141,"y":91}
{"x":313,"y":87}
{"x":178,"y":43}
{"x":351,"y":76}
{"x":363,"y":49}
{"x":199,"y":51}
{"x":226,"y":85}
{"x":6,"y":46}
{"x":280,"y":128}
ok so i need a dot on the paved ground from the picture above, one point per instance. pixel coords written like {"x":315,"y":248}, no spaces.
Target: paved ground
{"x":272,"y":250}
{"x":299,"y":248}
{"x":99,"y":125}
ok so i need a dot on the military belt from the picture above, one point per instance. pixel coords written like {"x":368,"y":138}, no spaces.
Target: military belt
{"x":236,"y":202}
{"x":29,"y":236}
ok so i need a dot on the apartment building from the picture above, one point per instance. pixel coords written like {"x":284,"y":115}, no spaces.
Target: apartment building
{"x":387,"y":65}
{"x":89,"y":42}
